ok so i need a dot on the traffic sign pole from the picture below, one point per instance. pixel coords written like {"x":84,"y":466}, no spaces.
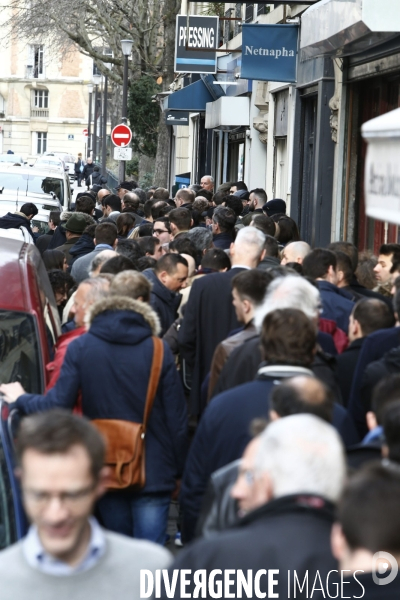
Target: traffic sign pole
{"x":121,"y":137}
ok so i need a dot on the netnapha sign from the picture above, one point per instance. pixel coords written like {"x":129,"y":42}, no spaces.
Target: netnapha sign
{"x":269,"y":52}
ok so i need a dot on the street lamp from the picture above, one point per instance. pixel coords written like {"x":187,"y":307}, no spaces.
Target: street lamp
{"x":96,"y":81}
{"x":104,"y":133}
{"x":126,"y":46}
{"x":90,"y":91}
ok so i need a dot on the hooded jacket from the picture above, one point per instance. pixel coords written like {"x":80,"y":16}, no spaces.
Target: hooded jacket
{"x":15,"y":221}
{"x":83,"y":246}
{"x":163,"y":301}
{"x":336,"y":305}
{"x":96,"y":178}
{"x":59,"y":237}
{"x":110,"y":365}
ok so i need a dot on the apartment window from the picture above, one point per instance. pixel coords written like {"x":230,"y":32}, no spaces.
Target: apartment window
{"x":262,"y":9}
{"x":249,"y":14}
{"x":96,"y":70}
{"x":41,"y":145}
{"x":41,"y":99}
{"x":35,"y":66}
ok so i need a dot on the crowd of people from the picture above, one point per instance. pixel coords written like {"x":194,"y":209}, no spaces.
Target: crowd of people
{"x":273,"y":418}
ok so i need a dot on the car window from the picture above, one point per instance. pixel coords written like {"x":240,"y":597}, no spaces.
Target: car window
{"x":41,"y":225}
{"x":35,"y":184}
{"x":7,"y":514}
{"x":19,"y":351}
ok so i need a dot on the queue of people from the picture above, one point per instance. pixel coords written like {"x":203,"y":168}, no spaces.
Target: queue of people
{"x":230,"y":366}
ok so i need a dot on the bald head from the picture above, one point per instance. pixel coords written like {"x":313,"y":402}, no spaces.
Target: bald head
{"x":130,"y":199}
{"x":295,"y":252}
{"x":101,"y":194}
{"x":302,"y":394}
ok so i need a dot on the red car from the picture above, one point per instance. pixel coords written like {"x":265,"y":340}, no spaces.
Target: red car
{"x":29,"y":322}
{"x":29,"y":327}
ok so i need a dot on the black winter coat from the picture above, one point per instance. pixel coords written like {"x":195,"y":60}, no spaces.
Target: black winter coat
{"x":163,"y":301}
{"x":87,"y":170}
{"x":15,"y":221}
{"x":43,"y":241}
{"x":288,"y":534}
{"x":375,"y":372}
{"x":96,"y":178}
{"x":110,"y":365}
{"x":243,"y":363}
{"x":209,"y":319}
{"x":223,"y":240}
{"x":83,"y":246}
{"x":224,"y":432}
{"x":374,"y":347}
{"x":345,"y":367}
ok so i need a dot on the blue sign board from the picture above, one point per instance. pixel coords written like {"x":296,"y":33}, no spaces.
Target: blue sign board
{"x":269,"y":52}
{"x":197,"y":38}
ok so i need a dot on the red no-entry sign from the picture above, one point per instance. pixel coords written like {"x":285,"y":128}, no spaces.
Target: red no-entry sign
{"x":121,"y":135}
{"x":85,"y":133}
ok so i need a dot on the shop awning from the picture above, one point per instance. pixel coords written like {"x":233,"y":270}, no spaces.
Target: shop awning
{"x":227,"y":113}
{"x":192,"y":98}
{"x":344,"y":27}
{"x":382,"y":177}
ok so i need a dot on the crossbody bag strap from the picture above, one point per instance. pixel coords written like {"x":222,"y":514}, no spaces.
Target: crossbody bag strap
{"x":155,"y":373}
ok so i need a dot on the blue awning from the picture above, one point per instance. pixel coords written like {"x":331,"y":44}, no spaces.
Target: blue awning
{"x":192,"y":98}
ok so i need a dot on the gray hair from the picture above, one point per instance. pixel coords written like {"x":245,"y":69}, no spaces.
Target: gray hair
{"x":100,"y":259}
{"x":292,"y":291}
{"x":209,"y":177}
{"x":141,"y":194}
{"x":132,"y":284}
{"x":201,"y":237}
{"x":302,"y":454}
{"x":98,"y":289}
{"x":250,"y":240}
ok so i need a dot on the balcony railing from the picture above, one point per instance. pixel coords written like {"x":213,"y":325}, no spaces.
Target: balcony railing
{"x":41,"y":113}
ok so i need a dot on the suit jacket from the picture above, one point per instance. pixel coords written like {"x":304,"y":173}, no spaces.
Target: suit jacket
{"x":225,"y":349}
{"x":375,"y":346}
{"x":224,"y":432}
{"x":243,"y":362}
{"x":345,"y":367}
{"x":209,"y":318}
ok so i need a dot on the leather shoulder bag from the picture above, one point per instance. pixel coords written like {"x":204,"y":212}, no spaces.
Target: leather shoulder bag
{"x":125,"y":453}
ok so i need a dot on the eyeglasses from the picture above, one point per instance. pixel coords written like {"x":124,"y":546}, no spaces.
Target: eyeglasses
{"x":248,"y":475}
{"x":158,"y":231}
{"x":68,"y":499}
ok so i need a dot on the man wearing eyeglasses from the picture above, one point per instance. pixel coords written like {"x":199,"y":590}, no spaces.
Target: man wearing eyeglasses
{"x":161,"y":230}
{"x":66,"y":554}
